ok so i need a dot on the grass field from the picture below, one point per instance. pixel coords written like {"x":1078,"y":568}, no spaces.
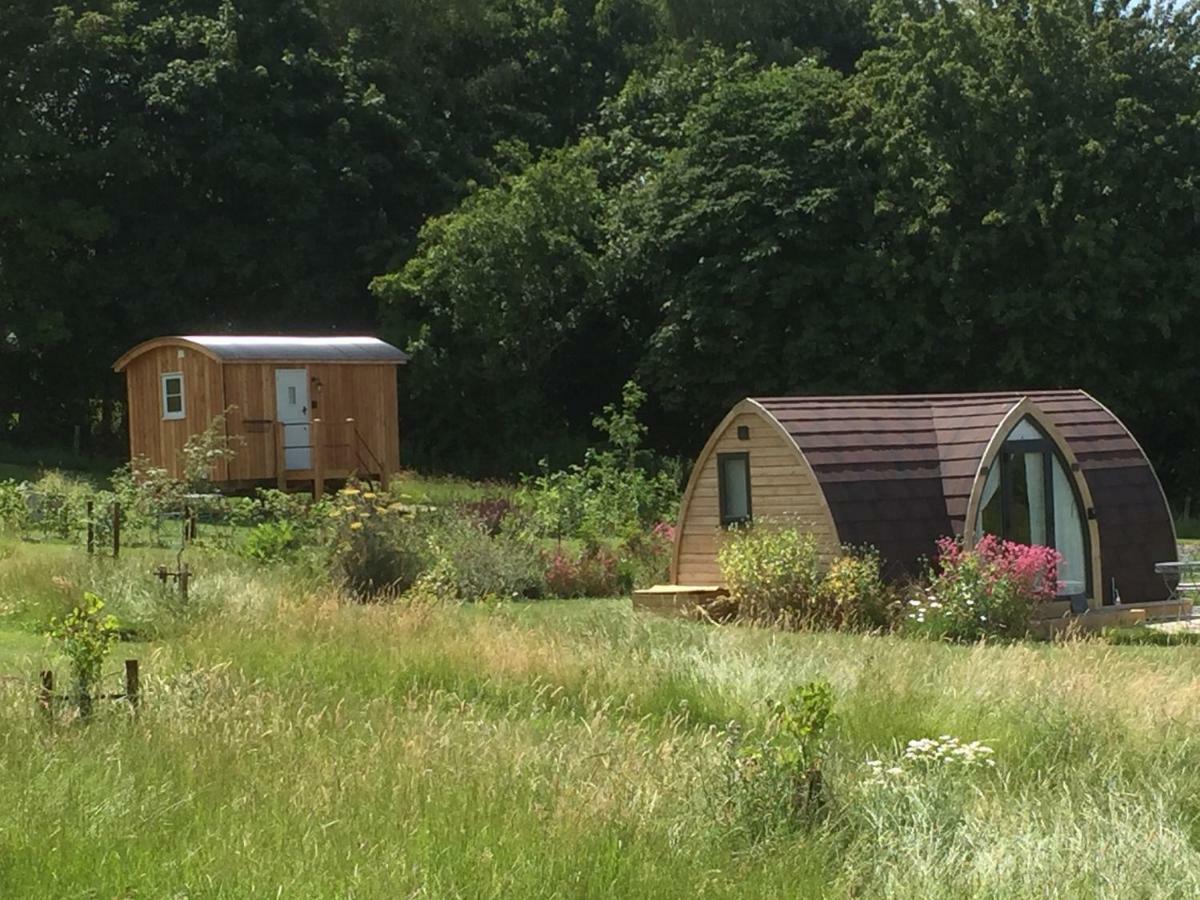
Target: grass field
{"x":294,"y":745}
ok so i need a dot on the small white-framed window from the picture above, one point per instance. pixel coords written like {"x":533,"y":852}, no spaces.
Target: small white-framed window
{"x":172,"y":395}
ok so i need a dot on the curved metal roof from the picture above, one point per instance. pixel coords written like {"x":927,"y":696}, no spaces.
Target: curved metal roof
{"x":335,"y":349}
{"x":276,"y":348}
{"x":897,"y":472}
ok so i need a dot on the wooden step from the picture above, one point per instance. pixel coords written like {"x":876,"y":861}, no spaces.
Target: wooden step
{"x":675,"y":599}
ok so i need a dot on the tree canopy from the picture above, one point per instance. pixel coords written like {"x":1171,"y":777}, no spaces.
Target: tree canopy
{"x":542,"y":199}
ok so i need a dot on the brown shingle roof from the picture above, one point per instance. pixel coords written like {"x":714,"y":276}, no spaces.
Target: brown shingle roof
{"x":897,"y":472}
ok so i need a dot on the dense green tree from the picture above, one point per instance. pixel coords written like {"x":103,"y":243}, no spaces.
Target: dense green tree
{"x":1035,"y":218}
{"x":1002,"y":195}
{"x":172,"y":165}
{"x":499,"y":312}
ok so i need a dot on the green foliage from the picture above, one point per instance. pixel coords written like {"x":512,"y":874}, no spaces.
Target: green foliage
{"x":772,"y":571}
{"x":854,"y":592}
{"x":56,"y":505}
{"x":775,"y":573}
{"x":774,"y":778}
{"x":1140,"y":635}
{"x":87,"y":636}
{"x":14,"y":511}
{"x":450,"y":302}
{"x":271,"y":541}
{"x":481,"y":565}
{"x":205,"y":450}
{"x":617,"y":492}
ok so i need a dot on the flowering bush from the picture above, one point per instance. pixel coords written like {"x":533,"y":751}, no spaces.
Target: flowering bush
{"x":989,"y":590}
{"x":594,"y":573}
{"x":374,"y":548}
{"x":946,"y":753}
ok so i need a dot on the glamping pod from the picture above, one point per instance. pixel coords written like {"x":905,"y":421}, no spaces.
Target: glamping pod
{"x":296,"y":408}
{"x":898,"y":472}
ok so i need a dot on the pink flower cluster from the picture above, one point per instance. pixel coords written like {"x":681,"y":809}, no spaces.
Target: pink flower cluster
{"x":664,"y":531}
{"x":1034,"y":569}
{"x":591,"y":574}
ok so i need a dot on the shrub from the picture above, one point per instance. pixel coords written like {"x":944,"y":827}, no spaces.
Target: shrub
{"x":987,"y":591}
{"x":146,"y":493}
{"x":87,"y":637}
{"x":774,"y":777}
{"x":481,"y":564}
{"x":770,"y":571}
{"x":14,"y":511}
{"x":853,"y":592}
{"x":56,"y":504}
{"x":594,"y":572}
{"x":271,"y":541}
{"x":616,"y":492}
{"x":375,"y":548}
{"x":645,"y":557}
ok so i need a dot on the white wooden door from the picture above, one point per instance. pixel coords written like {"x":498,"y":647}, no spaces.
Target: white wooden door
{"x":291,"y":408}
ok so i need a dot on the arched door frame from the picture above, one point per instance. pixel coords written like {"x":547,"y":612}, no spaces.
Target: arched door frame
{"x":1027,"y":409}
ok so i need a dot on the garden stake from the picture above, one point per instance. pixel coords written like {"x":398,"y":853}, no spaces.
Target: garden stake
{"x":116,"y":529}
{"x":132,"y":683}
{"x":184,"y":575}
{"x":46,"y":692}
{"x":91,"y":531}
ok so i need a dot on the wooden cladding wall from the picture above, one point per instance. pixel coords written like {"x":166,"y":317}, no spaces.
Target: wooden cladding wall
{"x":161,"y":440}
{"x":781,"y":487}
{"x":367,"y":394}
{"x":250,"y":392}
{"x":363,"y":392}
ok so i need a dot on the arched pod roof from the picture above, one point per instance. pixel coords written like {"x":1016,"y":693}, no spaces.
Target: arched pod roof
{"x":897,"y":472}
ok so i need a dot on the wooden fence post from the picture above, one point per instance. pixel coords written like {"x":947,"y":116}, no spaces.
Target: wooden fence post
{"x":318,"y":460}
{"x":161,"y":572}
{"x":132,"y":683}
{"x":193,"y":519}
{"x":184,"y":576}
{"x":91,"y":529}
{"x":46,"y":692}
{"x":116,"y":529}
{"x":280,"y":458}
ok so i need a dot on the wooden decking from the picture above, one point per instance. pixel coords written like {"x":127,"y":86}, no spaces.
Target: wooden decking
{"x":1156,"y":611}
{"x":675,"y":599}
